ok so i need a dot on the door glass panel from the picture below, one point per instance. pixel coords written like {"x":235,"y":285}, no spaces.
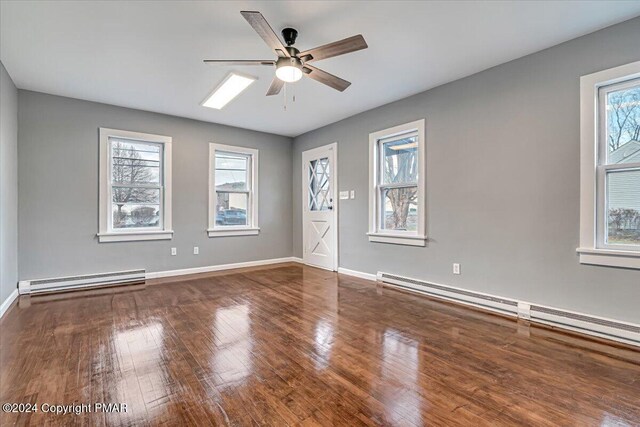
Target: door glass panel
{"x":319,"y":172}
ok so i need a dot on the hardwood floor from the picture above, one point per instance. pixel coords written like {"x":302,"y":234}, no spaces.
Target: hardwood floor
{"x":293,"y":345}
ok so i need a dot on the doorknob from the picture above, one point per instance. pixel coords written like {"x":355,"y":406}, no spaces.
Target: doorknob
{"x":330,"y":208}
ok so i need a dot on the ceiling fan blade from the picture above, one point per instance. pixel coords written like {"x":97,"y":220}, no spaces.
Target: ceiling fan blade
{"x":240,"y":61}
{"x":275,"y":87}
{"x":326,"y":78}
{"x":264,"y":30}
{"x":348,"y":45}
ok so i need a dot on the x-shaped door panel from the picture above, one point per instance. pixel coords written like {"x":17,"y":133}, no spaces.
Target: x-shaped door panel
{"x":318,"y":233}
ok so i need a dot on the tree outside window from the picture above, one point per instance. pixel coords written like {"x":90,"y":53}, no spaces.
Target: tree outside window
{"x":399,"y":187}
{"x":135,"y":184}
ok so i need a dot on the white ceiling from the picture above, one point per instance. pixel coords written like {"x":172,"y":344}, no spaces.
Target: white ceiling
{"x":148,"y":55}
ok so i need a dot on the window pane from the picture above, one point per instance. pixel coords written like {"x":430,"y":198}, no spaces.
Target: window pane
{"x":400,"y":161}
{"x":126,"y":215}
{"x":623,"y":125}
{"x":231,"y":208}
{"x":231,"y":172}
{"x":623,"y":207}
{"x":400,"y":209}
{"x":319,"y":191}
{"x":137,"y":195}
{"x":135,"y":163}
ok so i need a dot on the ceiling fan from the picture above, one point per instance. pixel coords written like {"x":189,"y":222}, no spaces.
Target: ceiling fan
{"x":292,"y":64}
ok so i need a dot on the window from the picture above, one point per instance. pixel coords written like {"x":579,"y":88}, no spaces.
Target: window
{"x":233,"y":191}
{"x":610,"y":167}
{"x":135,"y":186}
{"x":397,"y":191}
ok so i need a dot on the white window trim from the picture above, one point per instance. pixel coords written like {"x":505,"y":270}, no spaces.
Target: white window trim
{"x":589,"y":250}
{"x":376,"y":234}
{"x":105,"y":233}
{"x":215,"y":230}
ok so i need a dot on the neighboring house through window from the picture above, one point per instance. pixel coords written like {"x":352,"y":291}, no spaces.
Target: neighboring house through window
{"x":233,"y":191}
{"x":135,"y":186}
{"x":397,"y":189}
{"x":610,"y":167}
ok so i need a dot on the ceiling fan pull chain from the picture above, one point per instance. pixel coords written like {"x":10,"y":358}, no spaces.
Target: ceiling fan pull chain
{"x":285,"y":96}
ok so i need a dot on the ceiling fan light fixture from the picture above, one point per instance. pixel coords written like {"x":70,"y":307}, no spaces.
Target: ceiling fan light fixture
{"x":292,"y":64}
{"x":289,"y":70}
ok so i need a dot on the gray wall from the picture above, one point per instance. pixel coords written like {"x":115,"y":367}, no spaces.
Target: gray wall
{"x":58,"y":172}
{"x":502,"y":181}
{"x":8,"y":185}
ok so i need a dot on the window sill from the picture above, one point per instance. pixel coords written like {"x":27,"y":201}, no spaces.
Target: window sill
{"x":396,"y":239}
{"x":135,"y":236}
{"x":609,"y":257}
{"x":217,"y":232}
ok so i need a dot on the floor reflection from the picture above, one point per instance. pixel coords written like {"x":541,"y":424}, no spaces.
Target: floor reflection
{"x":320,"y":293}
{"x":232,"y":362}
{"x":400,"y":368}
{"x":609,"y":420}
{"x":323,"y":343}
{"x":140,"y":363}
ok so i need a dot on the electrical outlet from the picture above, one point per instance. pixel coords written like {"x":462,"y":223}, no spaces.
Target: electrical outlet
{"x":196,"y":250}
{"x":353,"y":194}
{"x":456,"y":268}
{"x":174,"y":251}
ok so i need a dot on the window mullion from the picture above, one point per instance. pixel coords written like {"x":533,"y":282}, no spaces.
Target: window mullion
{"x":399,"y":185}
{"x":620,"y":167}
{"x":149,"y":186}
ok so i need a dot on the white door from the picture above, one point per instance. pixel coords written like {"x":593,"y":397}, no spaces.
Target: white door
{"x":319,"y":207}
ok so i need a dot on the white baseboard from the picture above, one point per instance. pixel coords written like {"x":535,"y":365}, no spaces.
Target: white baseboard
{"x":588,"y":324}
{"x":220,"y":267}
{"x":7,"y":303}
{"x":80,"y":282}
{"x":354,"y":273}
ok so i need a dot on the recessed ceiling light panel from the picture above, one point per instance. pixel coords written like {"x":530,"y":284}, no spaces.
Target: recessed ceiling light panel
{"x":233,"y":85}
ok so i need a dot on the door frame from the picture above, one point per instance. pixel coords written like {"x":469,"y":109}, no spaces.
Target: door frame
{"x":333,"y":147}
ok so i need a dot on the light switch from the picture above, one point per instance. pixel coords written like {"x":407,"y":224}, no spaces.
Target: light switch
{"x":344,"y":195}
{"x":353,"y":194}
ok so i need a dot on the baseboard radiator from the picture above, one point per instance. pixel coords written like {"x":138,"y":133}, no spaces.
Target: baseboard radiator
{"x":75,"y":283}
{"x":627,"y":333}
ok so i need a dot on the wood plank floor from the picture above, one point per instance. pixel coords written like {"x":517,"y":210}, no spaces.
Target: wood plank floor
{"x":293,"y":345}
